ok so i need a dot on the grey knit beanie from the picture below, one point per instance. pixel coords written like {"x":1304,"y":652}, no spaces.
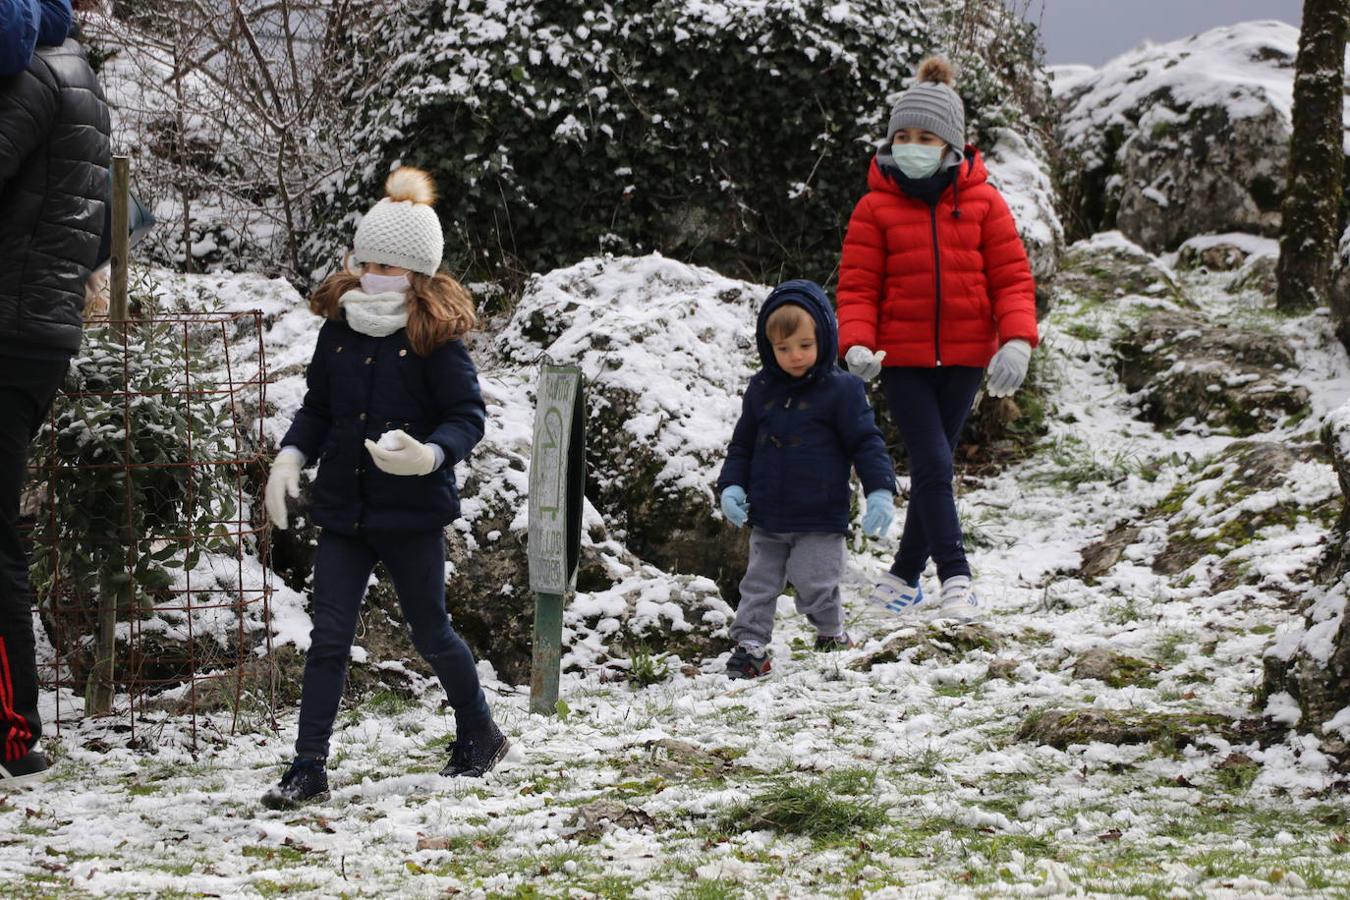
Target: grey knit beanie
{"x":931,"y":104}
{"x":403,"y":228}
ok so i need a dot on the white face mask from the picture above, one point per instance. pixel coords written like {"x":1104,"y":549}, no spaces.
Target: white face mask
{"x":917,"y":160}
{"x":384,"y":284}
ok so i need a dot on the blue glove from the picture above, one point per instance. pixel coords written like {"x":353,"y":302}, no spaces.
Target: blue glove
{"x":734,"y":505}
{"x":880,"y":512}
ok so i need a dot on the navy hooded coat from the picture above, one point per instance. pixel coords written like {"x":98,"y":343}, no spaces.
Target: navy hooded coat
{"x":797,"y":437}
{"x":362,"y":386}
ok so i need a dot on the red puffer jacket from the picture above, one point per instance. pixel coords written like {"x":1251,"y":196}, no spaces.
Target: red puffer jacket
{"x":935,"y":286}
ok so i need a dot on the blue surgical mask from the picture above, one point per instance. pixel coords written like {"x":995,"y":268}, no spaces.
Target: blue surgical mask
{"x":384,"y":284}
{"x":917,"y":160}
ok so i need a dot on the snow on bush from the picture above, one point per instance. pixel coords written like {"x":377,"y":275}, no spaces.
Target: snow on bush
{"x":734,"y":134}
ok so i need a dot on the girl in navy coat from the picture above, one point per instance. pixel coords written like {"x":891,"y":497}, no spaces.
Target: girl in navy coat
{"x":393,"y":403}
{"x":804,"y":422}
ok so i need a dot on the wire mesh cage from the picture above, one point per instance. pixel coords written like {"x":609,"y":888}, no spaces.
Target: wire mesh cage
{"x":149,"y":564}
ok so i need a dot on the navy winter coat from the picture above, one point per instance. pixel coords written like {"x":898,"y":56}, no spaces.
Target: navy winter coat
{"x":362,"y":386}
{"x":796,"y":438}
{"x":19,"y":22}
{"x":54,"y":185}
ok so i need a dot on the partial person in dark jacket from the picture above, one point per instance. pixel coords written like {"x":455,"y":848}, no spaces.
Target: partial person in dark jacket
{"x":54,"y":156}
{"x":393,"y":403}
{"x":804,"y":422}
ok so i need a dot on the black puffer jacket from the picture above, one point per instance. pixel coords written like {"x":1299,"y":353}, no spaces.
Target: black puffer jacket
{"x":54,"y":184}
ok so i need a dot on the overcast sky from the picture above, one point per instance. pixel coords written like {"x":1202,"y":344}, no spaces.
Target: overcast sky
{"x":1094,"y":31}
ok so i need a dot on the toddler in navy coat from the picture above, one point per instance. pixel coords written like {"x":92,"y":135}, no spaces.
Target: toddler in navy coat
{"x":804,"y":421}
{"x":393,"y":403}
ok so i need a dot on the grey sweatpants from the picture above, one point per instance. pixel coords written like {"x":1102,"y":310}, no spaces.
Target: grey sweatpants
{"x":812,"y":561}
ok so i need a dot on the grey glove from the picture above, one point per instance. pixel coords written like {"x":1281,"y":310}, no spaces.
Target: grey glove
{"x":863,"y":362}
{"x":1008,"y":368}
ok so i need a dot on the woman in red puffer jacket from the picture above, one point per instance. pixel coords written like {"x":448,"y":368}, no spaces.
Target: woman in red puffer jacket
{"x":934,"y":287}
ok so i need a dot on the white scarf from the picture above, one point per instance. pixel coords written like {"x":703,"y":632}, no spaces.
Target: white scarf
{"x":377,"y":315}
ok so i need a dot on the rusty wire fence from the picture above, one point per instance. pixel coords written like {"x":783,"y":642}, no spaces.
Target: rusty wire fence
{"x":150,"y":565}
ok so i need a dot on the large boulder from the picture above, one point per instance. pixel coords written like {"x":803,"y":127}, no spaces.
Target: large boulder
{"x":666,"y":350}
{"x":1109,"y":266}
{"x":1170,"y":141}
{"x":1209,"y":376}
{"x":1218,"y":525}
{"x":1340,"y":290}
{"x":1307,"y":668}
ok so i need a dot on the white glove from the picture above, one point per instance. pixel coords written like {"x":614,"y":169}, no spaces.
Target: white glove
{"x":863,"y":362}
{"x":399,"y":453}
{"x":1008,"y":368}
{"x":282,"y":481}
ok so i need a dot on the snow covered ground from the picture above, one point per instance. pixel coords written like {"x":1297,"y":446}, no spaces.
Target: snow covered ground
{"x":831,"y":777}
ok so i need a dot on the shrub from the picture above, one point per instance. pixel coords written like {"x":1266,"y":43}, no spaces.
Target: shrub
{"x":732,"y":134}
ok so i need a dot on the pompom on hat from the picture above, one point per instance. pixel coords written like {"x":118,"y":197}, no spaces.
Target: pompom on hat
{"x":931,"y":103}
{"x":403,"y":228}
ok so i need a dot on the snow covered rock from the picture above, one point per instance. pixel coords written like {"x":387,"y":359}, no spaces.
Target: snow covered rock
{"x":1063,"y":728}
{"x":1112,"y":668}
{"x":1237,"y":521}
{"x":1201,"y":375}
{"x":1170,"y":141}
{"x":1309,"y":662}
{"x":1108,"y":266}
{"x":666,"y":350}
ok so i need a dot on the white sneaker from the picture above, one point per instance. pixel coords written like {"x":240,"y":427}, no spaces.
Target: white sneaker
{"x":958,"y":600}
{"x":895,"y":595}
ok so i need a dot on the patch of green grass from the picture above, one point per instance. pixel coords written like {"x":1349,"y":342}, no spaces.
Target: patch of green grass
{"x":42,"y":886}
{"x":1075,"y":463}
{"x":273,"y":889}
{"x":276,"y":853}
{"x":386,"y":703}
{"x":1238,"y":777}
{"x":1084,"y":331}
{"x":648,"y":668}
{"x":818,"y":809}
{"x":927,"y":762}
{"x":1168,"y":650}
{"x":713,"y":889}
{"x":960,"y":688}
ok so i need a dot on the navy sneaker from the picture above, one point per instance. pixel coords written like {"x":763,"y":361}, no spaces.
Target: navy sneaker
{"x":747,"y":663}
{"x":474,"y":753}
{"x":307,"y":779}
{"x":27,"y":769}
{"x":826,"y":643}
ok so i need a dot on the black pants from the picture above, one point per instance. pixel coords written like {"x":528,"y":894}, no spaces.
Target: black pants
{"x":929,"y":406}
{"x":342,"y":567}
{"x":27,"y":387}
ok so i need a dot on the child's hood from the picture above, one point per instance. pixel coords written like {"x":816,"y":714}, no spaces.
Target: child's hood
{"x":811,"y":297}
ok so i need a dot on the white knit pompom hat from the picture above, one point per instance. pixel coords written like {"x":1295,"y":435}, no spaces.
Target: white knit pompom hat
{"x":403,"y":228}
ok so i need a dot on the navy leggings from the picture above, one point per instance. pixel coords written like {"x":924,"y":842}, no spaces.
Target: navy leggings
{"x":342,"y":567}
{"x":929,"y":406}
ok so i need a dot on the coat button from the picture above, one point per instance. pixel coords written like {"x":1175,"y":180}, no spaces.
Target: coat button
{"x":338,"y":349}
{"x":403,"y":352}
{"x":369,"y":360}
{"x":362,"y":417}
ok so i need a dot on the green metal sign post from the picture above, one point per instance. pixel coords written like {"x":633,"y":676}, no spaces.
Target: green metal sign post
{"x":557,"y":482}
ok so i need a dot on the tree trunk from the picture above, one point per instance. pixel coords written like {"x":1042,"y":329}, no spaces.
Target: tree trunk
{"x":1309,"y":227}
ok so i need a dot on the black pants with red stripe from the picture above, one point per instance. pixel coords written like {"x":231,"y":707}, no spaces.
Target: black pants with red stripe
{"x":27,"y":387}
